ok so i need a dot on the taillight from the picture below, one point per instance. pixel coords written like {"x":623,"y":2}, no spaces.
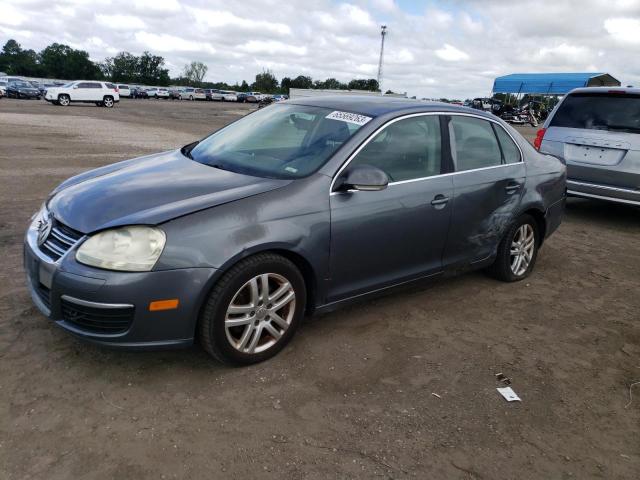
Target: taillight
{"x":116,"y":89}
{"x":539,"y":137}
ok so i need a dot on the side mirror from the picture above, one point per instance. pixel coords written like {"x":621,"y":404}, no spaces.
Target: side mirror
{"x":75,"y":86}
{"x":365,"y":178}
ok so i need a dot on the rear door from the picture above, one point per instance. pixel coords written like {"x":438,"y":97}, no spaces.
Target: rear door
{"x":385,"y":237}
{"x":598,"y":135}
{"x":488,"y":183}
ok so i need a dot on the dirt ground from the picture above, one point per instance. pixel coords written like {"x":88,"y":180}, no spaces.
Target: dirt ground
{"x":400,"y":387}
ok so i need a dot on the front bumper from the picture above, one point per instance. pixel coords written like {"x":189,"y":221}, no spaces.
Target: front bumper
{"x":112,"y":308}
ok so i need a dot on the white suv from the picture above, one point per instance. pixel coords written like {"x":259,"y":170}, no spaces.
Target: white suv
{"x":103,"y":94}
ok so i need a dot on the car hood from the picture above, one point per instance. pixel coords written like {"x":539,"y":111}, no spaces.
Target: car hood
{"x":149,"y":190}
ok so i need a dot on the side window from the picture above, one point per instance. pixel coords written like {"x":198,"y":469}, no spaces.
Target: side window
{"x":108,"y":85}
{"x":406,"y":149}
{"x":84,"y":85}
{"x":475,"y":144}
{"x":510,"y":151}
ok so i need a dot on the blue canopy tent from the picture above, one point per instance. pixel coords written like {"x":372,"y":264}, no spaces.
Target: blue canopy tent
{"x":551,"y":83}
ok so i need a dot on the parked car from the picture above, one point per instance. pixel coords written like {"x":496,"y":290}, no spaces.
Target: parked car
{"x":193,"y":94}
{"x":280,"y":98}
{"x":293,"y":209}
{"x":213,"y":94}
{"x":229,"y":96}
{"x":241,"y":97}
{"x":255,"y":97}
{"x":22,"y":89}
{"x":124,"y":91}
{"x":174,"y":94}
{"x":3,"y":87}
{"x":159,"y":93}
{"x":596,"y":131}
{"x":138,"y":92}
{"x":83,"y":91}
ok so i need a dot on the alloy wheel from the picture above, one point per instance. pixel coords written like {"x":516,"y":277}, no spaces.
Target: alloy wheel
{"x":108,"y":102}
{"x":522,"y":248}
{"x":63,"y":100}
{"x":260,"y":313}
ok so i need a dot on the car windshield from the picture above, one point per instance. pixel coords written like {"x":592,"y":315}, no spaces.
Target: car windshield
{"x":280,"y":141}
{"x":598,"y":111}
{"x":68,"y":85}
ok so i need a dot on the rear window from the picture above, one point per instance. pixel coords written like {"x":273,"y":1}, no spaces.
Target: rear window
{"x":597,"y":111}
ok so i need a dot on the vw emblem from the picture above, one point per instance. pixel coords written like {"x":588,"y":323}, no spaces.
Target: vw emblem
{"x":44,"y":228}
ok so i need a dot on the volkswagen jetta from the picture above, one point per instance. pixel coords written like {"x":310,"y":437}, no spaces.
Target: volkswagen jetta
{"x":296,"y":208}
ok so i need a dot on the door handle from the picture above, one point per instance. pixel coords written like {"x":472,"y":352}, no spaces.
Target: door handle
{"x":439,"y":201}
{"x":512,"y":187}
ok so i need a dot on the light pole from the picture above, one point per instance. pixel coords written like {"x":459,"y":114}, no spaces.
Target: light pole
{"x":383,"y":33}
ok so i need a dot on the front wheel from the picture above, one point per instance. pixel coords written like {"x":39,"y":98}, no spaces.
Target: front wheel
{"x":517,"y":251}
{"x":254,"y":310}
{"x":64,"y":100}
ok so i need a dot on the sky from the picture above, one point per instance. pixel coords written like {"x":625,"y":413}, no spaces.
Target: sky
{"x":433,"y":49}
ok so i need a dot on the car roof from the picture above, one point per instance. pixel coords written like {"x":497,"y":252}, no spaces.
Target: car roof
{"x":375,"y":106}
{"x":633,"y":90}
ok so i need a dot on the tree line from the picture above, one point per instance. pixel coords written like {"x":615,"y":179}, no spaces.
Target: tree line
{"x":65,"y":63}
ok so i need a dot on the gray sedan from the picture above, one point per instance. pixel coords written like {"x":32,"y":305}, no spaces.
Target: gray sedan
{"x":296,"y":208}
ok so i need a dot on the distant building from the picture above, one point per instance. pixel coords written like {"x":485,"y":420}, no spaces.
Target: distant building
{"x":318,"y":92}
{"x":551,"y":83}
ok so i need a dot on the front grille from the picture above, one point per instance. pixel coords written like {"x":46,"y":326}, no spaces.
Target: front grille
{"x":97,"y":320}
{"x":44,"y":294}
{"x":59,"y":241}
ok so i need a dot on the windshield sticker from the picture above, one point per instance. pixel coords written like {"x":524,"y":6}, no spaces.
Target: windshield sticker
{"x":348,"y":117}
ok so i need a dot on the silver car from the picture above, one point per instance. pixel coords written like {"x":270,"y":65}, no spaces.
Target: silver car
{"x":597,"y":133}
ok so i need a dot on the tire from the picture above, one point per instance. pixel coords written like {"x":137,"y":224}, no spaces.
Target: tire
{"x":64,"y":100}
{"x":107,"y":101}
{"x":251,"y":341}
{"x":506,"y":266}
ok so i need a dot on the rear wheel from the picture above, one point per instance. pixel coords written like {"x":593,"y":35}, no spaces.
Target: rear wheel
{"x":64,"y":100}
{"x":254,"y":310}
{"x":517,"y":251}
{"x":107,"y":101}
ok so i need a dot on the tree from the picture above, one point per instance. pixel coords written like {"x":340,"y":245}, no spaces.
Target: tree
{"x":150,"y":71}
{"x":244,"y":87}
{"x":195,"y":72}
{"x":16,"y":61}
{"x":265,"y":82}
{"x":301,"y":82}
{"x":285,"y":85}
{"x":121,"y":68}
{"x":370,"y":84}
{"x":62,"y":61}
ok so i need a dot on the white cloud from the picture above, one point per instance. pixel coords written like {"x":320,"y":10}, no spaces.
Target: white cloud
{"x":433,"y":49}
{"x":120,"y":22}
{"x":156,"y":5}
{"x":171,"y":43}
{"x":625,"y":30}
{"x":450,"y":53}
{"x":11,"y":15}
{"x":272,"y":47}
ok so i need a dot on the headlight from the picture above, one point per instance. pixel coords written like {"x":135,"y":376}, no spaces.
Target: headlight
{"x":129,"y":249}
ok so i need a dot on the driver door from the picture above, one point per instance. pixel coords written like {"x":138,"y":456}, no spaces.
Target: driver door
{"x":385,"y":237}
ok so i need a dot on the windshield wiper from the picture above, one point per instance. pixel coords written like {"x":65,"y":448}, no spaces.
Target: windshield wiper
{"x":186,"y":150}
